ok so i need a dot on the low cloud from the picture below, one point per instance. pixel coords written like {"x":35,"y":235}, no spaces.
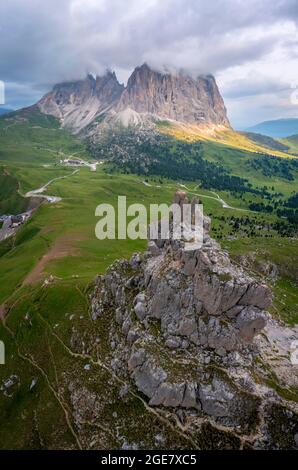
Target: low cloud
{"x":47,"y":41}
{"x":254,"y":86}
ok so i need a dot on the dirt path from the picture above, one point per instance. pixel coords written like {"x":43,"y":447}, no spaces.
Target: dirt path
{"x":2,"y":311}
{"x":216,"y":197}
{"x":62,"y":247}
{"x":178,"y":429}
{"x":224,"y":204}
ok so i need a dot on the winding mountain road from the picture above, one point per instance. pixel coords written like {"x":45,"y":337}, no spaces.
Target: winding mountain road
{"x":38,"y":192}
{"x":8,"y":230}
{"x":217,"y":198}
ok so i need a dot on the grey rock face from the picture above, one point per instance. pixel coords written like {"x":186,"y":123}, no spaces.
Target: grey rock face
{"x":250,"y":322}
{"x":168,"y":395}
{"x":179,"y":97}
{"x":153,"y":248}
{"x":190,"y":396}
{"x":216,"y":398}
{"x":187,"y":334}
{"x":257,"y":294}
{"x":78,"y":103}
{"x":140,"y":310}
{"x":137,"y":358}
{"x":152,"y":380}
{"x":220,"y":336}
{"x":148,"y":377}
{"x":200,"y":299}
{"x":173,"y":342}
{"x":199,"y":295}
{"x":148,"y":94}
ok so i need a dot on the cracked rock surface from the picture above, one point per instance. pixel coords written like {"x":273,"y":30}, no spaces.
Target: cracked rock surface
{"x":191,"y":333}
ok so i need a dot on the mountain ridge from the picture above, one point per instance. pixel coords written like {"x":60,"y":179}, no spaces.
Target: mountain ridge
{"x":77,"y":103}
{"x":276,"y":128}
{"x":149,"y":93}
{"x":5,"y":111}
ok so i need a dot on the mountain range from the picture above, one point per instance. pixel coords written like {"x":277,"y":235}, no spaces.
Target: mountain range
{"x":170,"y":348}
{"x":5,"y":110}
{"x":185,"y":107}
{"x":149,"y":95}
{"x":277,"y":128}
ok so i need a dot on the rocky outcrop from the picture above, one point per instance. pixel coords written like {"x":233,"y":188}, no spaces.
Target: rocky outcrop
{"x":186,"y":333}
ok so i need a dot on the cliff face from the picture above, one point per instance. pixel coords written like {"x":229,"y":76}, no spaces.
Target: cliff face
{"x":184,"y":329}
{"x":78,"y":103}
{"x":176,"y":97}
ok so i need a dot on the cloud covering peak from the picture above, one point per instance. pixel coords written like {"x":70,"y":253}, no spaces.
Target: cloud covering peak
{"x":47,"y":41}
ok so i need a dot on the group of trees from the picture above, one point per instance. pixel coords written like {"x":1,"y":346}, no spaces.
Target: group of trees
{"x":146,"y":152}
{"x":251,"y":226}
{"x":260,"y":207}
{"x":274,"y":166}
{"x":292,"y":201}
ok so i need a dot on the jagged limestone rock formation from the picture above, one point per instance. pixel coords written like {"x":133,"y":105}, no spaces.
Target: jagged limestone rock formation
{"x":78,"y":103}
{"x":188,"y":334}
{"x":96,"y":103}
{"x":178,"y":97}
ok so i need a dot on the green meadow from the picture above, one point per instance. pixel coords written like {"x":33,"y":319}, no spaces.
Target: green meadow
{"x":58,"y":244}
{"x":59,"y":239}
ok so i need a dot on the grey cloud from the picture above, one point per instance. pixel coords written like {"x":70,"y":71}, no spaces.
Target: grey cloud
{"x":51,"y":40}
{"x":47,"y":41}
{"x":246,"y":111}
{"x":254,"y":86}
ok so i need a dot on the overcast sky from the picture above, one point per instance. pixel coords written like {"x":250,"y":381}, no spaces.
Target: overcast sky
{"x":251,"y":46}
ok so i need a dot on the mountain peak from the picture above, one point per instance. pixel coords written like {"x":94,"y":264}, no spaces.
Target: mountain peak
{"x":144,"y":66}
{"x":178,"y":97}
{"x":78,"y":103}
{"x":171,"y":96}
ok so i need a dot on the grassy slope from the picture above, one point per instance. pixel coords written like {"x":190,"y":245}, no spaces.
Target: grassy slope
{"x":292,"y":142}
{"x":266,"y":141}
{"x":32,"y":417}
{"x":72,"y":220}
{"x":237,"y":161}
{"x":11,"y":202}
{"x":229,"y":138}
{"x":283,"y":253}
{"x":29,"y":137}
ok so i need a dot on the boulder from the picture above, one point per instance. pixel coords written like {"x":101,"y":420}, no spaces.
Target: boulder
{"x":257,"y":294}
{"x":216,"y":398}
{"x":140,"y":310}
{"x":250,"y":323}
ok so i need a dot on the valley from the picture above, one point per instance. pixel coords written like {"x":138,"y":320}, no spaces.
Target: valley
{"x":59,"y":360}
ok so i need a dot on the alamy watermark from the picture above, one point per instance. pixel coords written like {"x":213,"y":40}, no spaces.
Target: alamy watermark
{"x":2,"y":92}
{"x":2,"y":353}
{"x":160,"y":221}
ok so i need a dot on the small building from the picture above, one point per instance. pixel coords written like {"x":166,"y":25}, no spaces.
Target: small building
{"x":16,"y":220}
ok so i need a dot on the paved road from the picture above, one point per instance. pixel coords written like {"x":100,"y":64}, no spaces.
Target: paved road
{"x":38,"y":192}
{"x":7,"y":231}
{"x":224,"y":204}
